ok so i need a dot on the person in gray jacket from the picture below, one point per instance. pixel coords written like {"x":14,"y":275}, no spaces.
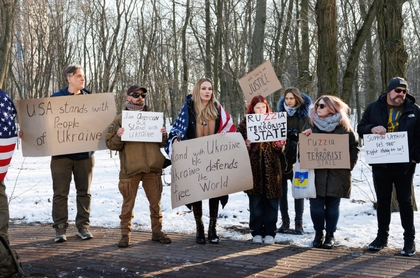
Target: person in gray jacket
{"x":329,"y":115}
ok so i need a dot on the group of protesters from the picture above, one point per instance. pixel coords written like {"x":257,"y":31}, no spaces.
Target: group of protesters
{"x":271,"y":163}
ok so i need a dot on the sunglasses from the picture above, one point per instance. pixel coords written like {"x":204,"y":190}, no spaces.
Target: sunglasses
{"x":404,"y":91}
{"x":136,"y":95}
{"x":322,"y":106}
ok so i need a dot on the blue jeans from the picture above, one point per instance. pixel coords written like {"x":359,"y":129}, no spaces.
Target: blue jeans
{"x":383,"y":179}
{"x":263,"y":215}
{"x":325,"y":212}
{"x":284,"y":208}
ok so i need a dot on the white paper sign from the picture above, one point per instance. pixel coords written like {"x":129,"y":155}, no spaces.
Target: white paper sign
{"x":266,"y":127}
{"x":141,"y":126}
{"x":209,"y":167}
{"x":389,"y":148}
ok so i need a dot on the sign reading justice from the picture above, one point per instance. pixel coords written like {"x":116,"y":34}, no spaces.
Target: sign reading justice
{"x":324,"y":151}
{"x":209,"y":167}
{"x":63,"y":125}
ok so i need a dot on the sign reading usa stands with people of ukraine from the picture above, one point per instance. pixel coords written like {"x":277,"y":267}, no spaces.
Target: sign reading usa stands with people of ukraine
{"x":389,"y":148}
{"x":63,"y":125}
{"x":141,"y":126}
{"x":209,"y":167}
{"x":266,"y":127}
{"x":324,"y":151}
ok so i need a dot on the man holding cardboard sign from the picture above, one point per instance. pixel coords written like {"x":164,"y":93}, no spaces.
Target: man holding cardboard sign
{"x":139,"y":161}
{"x":394,"y":111}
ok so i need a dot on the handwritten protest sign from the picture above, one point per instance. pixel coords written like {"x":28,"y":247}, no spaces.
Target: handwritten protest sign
{"x":324,"y":151}
{"x":261,"y":81}
{"x":63,"y":125}
{"x":389,"y":148}
{"x":209,"y":167}
{"x":141,"y":126}
{"x":266,"y":127}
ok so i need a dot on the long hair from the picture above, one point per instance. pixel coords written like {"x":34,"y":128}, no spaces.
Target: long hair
{"x":254,"y":101}
{"x":296,"y":93}
{"x":334,"y":105}
{"x":208,"y":112}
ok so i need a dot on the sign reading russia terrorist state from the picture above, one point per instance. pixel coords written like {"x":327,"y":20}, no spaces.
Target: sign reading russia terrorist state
{"x":266,"y":127}
{"x":209,"y":167}
{"x":63,"y":125}
{"x":142,"y":126}
{"x":389,"y":148}
{"x":324,"y":151}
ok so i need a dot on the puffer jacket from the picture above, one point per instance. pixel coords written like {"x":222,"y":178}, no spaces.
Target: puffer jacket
{"x":376,"y":114}
{"x":135,"y":157}
{"x":337,"y":182}
{"x":265,"y":164}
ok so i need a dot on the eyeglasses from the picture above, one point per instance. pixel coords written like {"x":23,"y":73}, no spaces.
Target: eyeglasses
{"x":404,"y":91}
{"x":322,"y":106}
{"x":136,"y":95}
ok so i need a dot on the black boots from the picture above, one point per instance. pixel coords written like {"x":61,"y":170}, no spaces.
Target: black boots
{"x":299,"y":227}
{"x":285,"y":225}
{"x":212,"y":235}
{"x":199,"y":237}
{"x":318,"y":240}
{"x":329,"y":241}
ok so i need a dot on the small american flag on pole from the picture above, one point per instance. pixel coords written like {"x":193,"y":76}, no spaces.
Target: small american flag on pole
{"x":8,"y":132}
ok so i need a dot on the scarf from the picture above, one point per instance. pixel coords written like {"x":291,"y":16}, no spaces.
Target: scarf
{"x":329,"y":123}
{"x":134,"y":107}
{"x":290,"y":110}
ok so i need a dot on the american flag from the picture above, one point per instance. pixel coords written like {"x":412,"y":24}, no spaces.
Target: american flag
{"x":8,"y":132}
{"x":179,"y":128}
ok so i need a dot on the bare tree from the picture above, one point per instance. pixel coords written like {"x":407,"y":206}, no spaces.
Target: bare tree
{"x":7,"y":13}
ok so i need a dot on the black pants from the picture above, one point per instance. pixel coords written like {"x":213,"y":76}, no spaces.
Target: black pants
{"x":402,"y":178}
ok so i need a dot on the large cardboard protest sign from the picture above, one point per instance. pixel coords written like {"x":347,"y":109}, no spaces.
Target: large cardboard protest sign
{"x":209,"y":167}
{"x":266,"y":127}
{"x":141,"y":126}
{"x":63,"y":125}
{"x":389,"y":148}
{"x":324,"y":151}
{"x":261,"y":81}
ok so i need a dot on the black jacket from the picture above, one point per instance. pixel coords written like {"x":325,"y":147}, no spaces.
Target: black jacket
{"x":376,"y":114}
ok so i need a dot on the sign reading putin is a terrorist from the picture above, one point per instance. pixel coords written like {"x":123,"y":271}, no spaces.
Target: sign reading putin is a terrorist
{"x":209,"y":167}
{"x":64,"y":125}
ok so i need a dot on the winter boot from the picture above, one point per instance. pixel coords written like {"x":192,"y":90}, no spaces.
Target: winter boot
{"x":200,"y":237}
{"x":212,"y":235}
{"x":285,"y":225}
{"x":299,"y":227}
{"x":318,"y":240}
{"x":329,"y":241}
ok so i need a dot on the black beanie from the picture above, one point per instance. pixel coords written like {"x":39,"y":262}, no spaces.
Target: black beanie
{"x":396,"y":82}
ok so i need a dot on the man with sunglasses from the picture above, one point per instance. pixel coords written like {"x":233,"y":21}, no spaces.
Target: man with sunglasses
{"x":139,"y":161}
{"x":394,"y":111}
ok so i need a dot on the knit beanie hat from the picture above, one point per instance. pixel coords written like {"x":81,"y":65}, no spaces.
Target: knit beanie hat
{"x":396,"y":82}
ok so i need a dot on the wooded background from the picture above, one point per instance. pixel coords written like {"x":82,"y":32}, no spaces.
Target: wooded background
{"x":348,"y":48}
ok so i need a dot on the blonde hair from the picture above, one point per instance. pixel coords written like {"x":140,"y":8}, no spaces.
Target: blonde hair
{"x":334,"y":105}
{"x":209,"y":111}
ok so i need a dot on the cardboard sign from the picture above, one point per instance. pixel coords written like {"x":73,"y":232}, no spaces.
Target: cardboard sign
{"x":209,"y":167}
{"x":266,"y":127}
{"x":389,"y":148}
{"x":261,"y":81}
{"x":324,"y":151}
{"x":65,"y":125}
{"x":141,"y":126}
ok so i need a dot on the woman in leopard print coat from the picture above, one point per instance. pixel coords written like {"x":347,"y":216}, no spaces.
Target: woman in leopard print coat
{"x":267,"y":177}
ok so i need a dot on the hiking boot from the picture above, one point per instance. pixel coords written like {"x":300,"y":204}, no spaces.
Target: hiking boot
{"x":60,"y":235}
{"x":299,"y":227}
{"x":285,"y":225}
{"x":84,"y":233}
{"x":329,"y":241}
{"x":161,"y":237}
{"x":378,"y":244}
{"x":318,"y":240}
{"x":124,"y":241}
{"x":409,"y":248}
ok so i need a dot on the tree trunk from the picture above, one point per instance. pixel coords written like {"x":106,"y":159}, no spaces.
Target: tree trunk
{"x":257,"y":48}
{"x":327,"y":64}
{"x":303,"y":48}
{"x":8,"y":10}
